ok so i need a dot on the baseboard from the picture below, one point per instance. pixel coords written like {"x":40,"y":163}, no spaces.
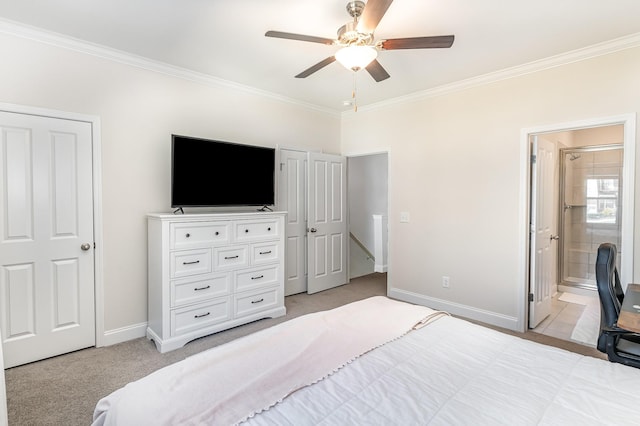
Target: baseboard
{"x":487,"y":317}
{"x":380,"y":268}
{"x":123,"y":334}
{"x":591,"y":292}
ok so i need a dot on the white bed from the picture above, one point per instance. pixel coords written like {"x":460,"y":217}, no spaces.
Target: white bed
{"x":446,"y":372}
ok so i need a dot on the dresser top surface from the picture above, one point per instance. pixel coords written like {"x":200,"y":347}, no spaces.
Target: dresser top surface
{"x":213,"y":216}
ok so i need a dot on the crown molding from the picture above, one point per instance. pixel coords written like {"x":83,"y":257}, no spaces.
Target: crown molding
{"x":600,"y":49}
{"x":55,"y":39}
{"x":70,"y":43}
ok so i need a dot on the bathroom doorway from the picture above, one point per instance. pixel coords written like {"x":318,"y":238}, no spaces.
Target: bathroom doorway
{"x":600,"y":205}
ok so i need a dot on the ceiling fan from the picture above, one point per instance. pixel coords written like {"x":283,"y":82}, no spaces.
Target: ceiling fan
{"x":359,"y":47}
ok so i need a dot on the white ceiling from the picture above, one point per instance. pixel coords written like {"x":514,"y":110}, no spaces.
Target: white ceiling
{"x":225,"y":38}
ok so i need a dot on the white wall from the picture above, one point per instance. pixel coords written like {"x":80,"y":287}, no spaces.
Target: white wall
{"x":455,"y":166}
{"x":454,"y":159}
{"x":606,"y":135}
{"x":139,"y":110}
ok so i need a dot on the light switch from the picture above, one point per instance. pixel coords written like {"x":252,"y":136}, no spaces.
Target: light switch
{"x":404,"y":217}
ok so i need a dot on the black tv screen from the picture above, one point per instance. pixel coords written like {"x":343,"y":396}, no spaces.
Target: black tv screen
{"x":216,"y":173}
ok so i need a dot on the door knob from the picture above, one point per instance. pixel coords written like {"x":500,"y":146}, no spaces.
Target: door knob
{"x":85,"y":246}
{"x":555,"y":237}
{"x":313,"y":230}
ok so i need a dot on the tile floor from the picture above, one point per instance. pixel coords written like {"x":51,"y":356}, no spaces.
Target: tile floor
{"x":562,"y":320}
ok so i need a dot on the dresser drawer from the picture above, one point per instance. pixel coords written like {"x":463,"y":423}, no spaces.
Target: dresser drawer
{"x":191,"y":318}
{"x":257,"y":277}
{"x":256,"y":230}
{"x":264,"y":253}
{"x":256,"y":301}
{"x":190,"y":262}
{"x":199,"y":234}
{"x":188,"y":291}
{"x":230,"y":257}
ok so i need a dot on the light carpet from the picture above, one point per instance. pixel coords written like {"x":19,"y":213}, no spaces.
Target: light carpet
{"x":588,"y":326}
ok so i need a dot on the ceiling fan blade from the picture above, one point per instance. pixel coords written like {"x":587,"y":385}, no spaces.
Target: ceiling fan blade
{"x":418,"y":42}
{"x":300,"y":37}
{"x":316,"y":67}
{"x":372,"y":14}
{"x":377,"y":71}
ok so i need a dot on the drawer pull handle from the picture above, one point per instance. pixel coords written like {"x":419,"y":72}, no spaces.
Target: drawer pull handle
{"x":201,"y":288}
{"x":187,"y":235}
{"x":230,"y":257}
{"x":265,"y":252}
{"x":269,"y":229}
{"x":203,"y":315}
{"x":191,"y":263}
{"x":246,"y":230}
{"x":258,"y":277}
{"x":217,"y":233}
{"x":257,"y":301}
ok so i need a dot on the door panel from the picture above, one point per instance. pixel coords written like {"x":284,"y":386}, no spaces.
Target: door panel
{"x":66,"y":287}
{"x":18,"y":197}
{"x":542,"y":229}
{"x":20,"y":290}
{"x":46,"y":214}
{"x":327,"y":222}
{"x":64,"y":182}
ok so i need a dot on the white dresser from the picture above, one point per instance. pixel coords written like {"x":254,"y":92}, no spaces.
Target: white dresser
{"x":210,"y":272}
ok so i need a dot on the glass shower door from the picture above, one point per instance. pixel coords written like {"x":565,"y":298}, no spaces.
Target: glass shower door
{"x":590,"y":210}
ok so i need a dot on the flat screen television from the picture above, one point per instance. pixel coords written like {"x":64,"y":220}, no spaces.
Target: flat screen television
{"x":208,"y":173}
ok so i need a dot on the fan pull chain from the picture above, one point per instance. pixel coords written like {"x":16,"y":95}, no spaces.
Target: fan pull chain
{"x":353,"y":93}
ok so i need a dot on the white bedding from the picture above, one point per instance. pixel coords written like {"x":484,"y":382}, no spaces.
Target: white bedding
{"x":452,"y":372}
{"x":232,"y":382}
{"x":456,"y":373}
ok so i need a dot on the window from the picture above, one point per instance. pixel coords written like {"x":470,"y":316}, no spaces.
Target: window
{"x":602,"y":200}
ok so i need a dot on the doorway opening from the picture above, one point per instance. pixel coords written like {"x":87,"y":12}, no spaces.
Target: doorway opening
{"x":368,"y":210}
{"x":600,"y":204}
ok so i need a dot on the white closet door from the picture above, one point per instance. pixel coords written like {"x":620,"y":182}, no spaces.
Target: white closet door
{"x":327,"y":222}
{"x":46,"y":237}
{"x":292,"y":199}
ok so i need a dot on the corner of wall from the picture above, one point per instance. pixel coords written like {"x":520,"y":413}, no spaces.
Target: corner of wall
{"x":123,"y":334}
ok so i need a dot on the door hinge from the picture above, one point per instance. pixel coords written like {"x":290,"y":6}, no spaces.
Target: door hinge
{"x":533,"y":159}
{"x":530,"y":297}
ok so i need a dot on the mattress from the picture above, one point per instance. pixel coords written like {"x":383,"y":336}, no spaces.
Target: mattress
{"x":457,"y":373}
{"x":448,"y":372}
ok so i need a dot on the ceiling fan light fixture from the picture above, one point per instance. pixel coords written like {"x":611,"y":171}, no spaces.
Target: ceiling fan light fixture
{"x":356,"y":57}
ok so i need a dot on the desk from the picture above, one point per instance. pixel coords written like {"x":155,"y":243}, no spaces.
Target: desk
{"x":629,"y":318}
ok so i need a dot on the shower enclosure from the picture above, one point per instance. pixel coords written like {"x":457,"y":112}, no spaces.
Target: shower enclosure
{"x":590,"y":210}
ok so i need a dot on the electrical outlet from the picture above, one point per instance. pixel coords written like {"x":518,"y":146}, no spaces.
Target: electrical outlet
{"x":404,"y":217}
{"x":445,"y":282}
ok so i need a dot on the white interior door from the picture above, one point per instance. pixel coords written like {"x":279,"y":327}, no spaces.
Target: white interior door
{"x":46,"y":237}
{"x":327,"y":222}
{"x":542,"y":229}
{"x":292,"y":199}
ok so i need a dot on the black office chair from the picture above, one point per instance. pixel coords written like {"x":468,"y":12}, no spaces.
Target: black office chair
{"x":621,"y":346}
